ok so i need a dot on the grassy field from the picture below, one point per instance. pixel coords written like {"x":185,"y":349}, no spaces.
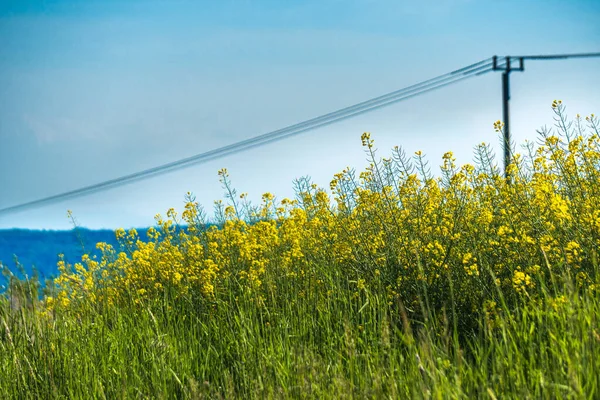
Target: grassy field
{"x":401,"y":284}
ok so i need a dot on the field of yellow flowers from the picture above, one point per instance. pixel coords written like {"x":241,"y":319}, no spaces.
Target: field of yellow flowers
{"x":403,"y":283}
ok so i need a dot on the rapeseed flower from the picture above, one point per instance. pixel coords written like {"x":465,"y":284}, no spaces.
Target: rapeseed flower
{"x":394,"y":225}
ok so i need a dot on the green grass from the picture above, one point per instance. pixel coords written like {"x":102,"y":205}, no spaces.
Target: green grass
{"x":303,"y":346}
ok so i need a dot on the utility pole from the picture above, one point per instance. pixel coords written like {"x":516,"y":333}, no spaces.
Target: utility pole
{"x":507,"y":67}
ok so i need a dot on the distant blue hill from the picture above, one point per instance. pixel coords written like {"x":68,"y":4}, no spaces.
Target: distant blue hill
{"x":40,"y":248}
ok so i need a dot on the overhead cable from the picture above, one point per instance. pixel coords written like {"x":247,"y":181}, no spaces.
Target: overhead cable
{"x":461,"y":74}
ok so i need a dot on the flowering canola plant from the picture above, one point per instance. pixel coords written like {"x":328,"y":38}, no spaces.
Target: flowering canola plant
{"x":469,"y":232}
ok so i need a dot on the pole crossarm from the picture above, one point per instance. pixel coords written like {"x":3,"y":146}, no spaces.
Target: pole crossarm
{"x":507,"y":66}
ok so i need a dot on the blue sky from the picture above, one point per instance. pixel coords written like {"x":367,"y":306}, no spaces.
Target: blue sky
{"x":92,"y":90}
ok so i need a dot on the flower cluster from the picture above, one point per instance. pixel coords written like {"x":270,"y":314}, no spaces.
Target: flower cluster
{"x":468,"y":231}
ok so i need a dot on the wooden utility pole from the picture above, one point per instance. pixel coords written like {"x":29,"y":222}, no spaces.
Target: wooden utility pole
{"x":507,"y":68}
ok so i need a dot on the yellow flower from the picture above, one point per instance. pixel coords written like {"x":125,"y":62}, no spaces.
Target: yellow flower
{"x":498,"y":126}
{"x":120,"y":233}
{"x":223,"y":172}
{"x":361,"y":284}
{"x":366,"y":140}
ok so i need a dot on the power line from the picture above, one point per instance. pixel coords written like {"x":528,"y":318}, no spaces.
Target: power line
{"x":558,"y":56}
{"x":461,"y":74}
